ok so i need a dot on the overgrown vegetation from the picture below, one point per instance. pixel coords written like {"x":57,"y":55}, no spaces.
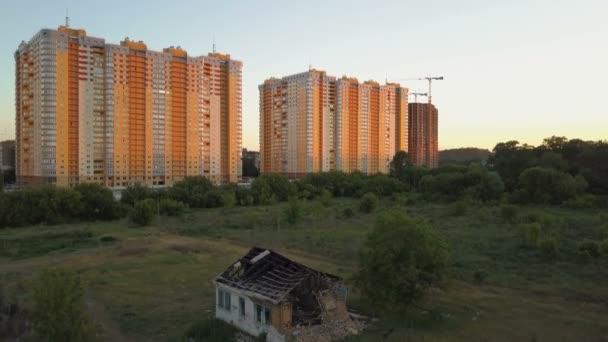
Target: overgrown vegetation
{"x":59,"y":311}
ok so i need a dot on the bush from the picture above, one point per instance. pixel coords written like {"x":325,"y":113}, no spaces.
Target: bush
{"x":244,"y":196}
{"x":458,"y":208}
{"x":271,"y":187}
{"x":589,"y":248}
{"x":59,"y":310}
{"x":348,"y":212}
{"x":171,"y":207}
{"x":546,"y":186}
{"x":407,"y":255}
{"x":135,"y":193}
{"x":548,"y":248}
{"x":210,"y":330}
{"x":108,"y":239}
{"x":530,"y":234}
{"x":98,"y":203}
{"x":143,"y":212}
{"x":604,"y":247}
{"x":586,"y":201}
{"x":214,"y":199}
{"x":325,"y":198}
{"x":191,"y":191}
{"x":292,"y":212}
{"x":480,"y":276}
{"x":508,"y":212}
{"x":368,"y":203}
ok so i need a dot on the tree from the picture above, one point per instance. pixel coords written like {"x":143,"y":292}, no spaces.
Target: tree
{"x":143,"y":212}
{"x":400,"y":164}
{"x":191,"y":191}
{"x":267,"y":186}
{"x":170,"y":207}
{"x":546,"y":186}
{"x":136,"y":193}
{"x":97,"y":203}
{"x":401,"y":259}
{"x":59,"y":312}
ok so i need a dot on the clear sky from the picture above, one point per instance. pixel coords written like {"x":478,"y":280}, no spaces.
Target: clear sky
{"x":517,"y":69}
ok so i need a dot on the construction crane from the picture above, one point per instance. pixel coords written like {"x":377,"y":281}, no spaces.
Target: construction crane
{"x":428,"y":78}
{"x":416,"y":96}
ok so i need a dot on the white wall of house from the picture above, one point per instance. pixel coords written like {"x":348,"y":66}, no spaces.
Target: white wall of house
{"x":247,"y":321}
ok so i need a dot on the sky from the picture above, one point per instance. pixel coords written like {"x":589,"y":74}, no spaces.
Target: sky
{"x":514,"y":70}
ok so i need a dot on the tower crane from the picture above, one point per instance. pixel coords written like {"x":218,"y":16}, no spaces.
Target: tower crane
{"x":416,"y":96}
{"x":430,"y":79}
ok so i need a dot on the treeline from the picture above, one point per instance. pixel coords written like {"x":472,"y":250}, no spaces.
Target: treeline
{"x":559,"y":172}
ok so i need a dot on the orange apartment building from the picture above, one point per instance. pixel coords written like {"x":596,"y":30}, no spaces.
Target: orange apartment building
{"x":117,"y":115}
{"x":423,"y":136}
{"x":312,"y":122}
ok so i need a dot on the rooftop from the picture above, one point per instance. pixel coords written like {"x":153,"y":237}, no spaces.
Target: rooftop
{"x":268,"y":275}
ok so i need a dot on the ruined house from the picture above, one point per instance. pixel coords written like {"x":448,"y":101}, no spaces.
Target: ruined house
{"x":266,"y":293}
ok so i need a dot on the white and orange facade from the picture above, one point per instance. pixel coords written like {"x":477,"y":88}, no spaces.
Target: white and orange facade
{"x":311,"y":122}
{"x":117,"y":115}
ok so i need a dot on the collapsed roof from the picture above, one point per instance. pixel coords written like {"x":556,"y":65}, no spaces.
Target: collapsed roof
{"x":268,"y":275}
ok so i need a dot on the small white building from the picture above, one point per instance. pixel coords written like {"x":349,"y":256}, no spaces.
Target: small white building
{"x":266,"y":293}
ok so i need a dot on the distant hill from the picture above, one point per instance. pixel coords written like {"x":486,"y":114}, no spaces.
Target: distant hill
{"x":463,"y":155}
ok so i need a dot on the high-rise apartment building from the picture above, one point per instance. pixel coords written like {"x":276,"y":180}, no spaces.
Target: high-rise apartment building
{"x":312,"y":122}
{"x":7,"y":155}
{"x":423,"y":136}
{"x":87,"y":111}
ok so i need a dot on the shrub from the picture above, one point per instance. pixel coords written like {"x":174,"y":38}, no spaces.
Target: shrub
{"x":191,"y":191}
{"x":546,"y":186}
{"x":407,"y":255}
{"x":108,"y":239}
{"x":270,"y":187}
{"x":548,"y":248}
{"x":292,"y":211}
{"x":348,"y":212}
{"x":98,"y":203}
{"x":530,"y":234}
{"x":604,"y":247}
{"x":368,"y":203}
{"x":135,"y":193}
{"x":244,"y":196}
{"x":143,"y":212}
{"x":585,"y":201}
{"x":325,"y":198}
{"x":601,"y":231}
{"x":210,"y":330}
{"x":59,"y":310}
{"x":214,"y":199}
{"x":458,"y":208}
{"x":480,"y":276}
{"x":171,"y":207}
{"x":590,"y":248}
{"x":508,"y":212}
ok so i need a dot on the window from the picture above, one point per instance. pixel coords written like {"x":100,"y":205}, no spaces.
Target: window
{"x":242,"y":306}
{"x":262,"y":314}
{"x":220,"y":298}
{"x":223,"y":299}
{"x":227,"y":300}
{"x":267,"y":315}
{"x":258,"y":313}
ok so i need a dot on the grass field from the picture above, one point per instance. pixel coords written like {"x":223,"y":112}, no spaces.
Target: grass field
{"x":150,"y":284}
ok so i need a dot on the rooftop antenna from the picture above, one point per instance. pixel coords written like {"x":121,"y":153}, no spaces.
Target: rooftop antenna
{"x":67,"y":18}
{"x":214,"y":43}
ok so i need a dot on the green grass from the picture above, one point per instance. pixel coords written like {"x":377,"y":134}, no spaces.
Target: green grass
{"x":152,"y":283}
